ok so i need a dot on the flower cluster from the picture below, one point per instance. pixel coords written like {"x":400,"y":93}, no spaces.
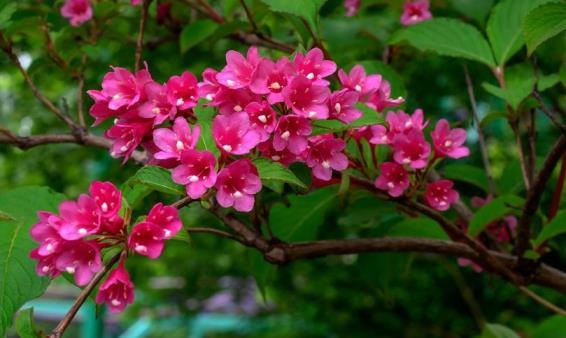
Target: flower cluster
{"x":72,"y":241}
{"x":415,"y":11}
{"x":80,"y":11}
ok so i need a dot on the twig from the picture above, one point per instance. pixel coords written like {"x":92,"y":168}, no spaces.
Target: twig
{"x":249,"y":16}
{"x":554,"y":118}
{"x":531,"y":132}
{"x":212,"y":12}
{"x":64,"y":323}
{"x":543,"y":301}
{"x":80,"y":92}
{"x":514,"y":124}
{"x":556,"y":196}
{"x":315,"y":39}
{"x":214,"y":232}
{"x":139,"y":45}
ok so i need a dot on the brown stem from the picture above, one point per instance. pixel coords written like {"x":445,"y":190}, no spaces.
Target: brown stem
{"x":557,"y":195}
{"x":80,"y":92}
{"x":551,"y":114}
{"x":85,"y":293}
{"x":315,"y":39}
{"x":542,"y":301}
{"x":249,"y":16}
{"x":514,"y":123}
{"x":531,"y":132}
{"x":212,"y":12}
{"x":139,"y":44}
{"x":213,"y":231}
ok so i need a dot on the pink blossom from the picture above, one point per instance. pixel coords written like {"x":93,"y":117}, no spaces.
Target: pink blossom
{"x":503,"y":229}
{"x":314,"y":67}
{"x":107,"y":197}
{"x":449,"y":142}
{"x":411,"y":149}
{"x":117,"y":291}
{"x":342,"y":106}
{"x":291,"y":133}
{"x":157,"y":106}
{"x":210,"y":86}
{"x":401,"y":122}
{"x":379,"y":135}
{"x":127,"y":135}
{"x":232,"y":133}
{"x":231,"y":101}
{"x":393,"y":178}
{"x":307,"y":99}
{"x":361,"y":133}
{"x":284,"y":156}
{"x":263,"y":119}
{"x":172,"y":143}
{"x":237,"y":184}
{"x":352,"y":7}
{"x":77,"y":11}
{"x":381,"y":98}
{"x":197,"y":171}
{"x":271,"y":78}
{"x":136,"y":2}
{"x":165,"y":217}
{"x":239,"y":70}
{"x":182,"y":91}
{"x":440,"y":195}
{"x":45,"y":264}
{"x":80,"y":219}
{"x":326,"y":154}
{"x":358,"y":81}
{"x":46,"y":233}
{"x":468,"y":262}
{"x":146,"y":239}
{"x":415,"y":12}
{"x":122,"y":89}
{"x":81,"y":259}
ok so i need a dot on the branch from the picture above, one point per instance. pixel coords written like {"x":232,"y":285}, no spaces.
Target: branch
{"x":249,"y":16}
{"x":139,"y":45}
{"x":554,"y":118}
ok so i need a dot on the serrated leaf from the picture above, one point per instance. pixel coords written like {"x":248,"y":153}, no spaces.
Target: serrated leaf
{"x":492,"y":211}
{"x":505,"y":27}
{"x":497,"y":331}
{"x":554,"y":228}
{"x":274,"y":172}
{"x":196,"y":33}
{"x":148,"y":179}
{"x":542,"y":23}
{"x":477,"y":10}
{"x":467,"y":173}
{"x":307,"y":10}
{"x":520,"y":81}
{"x":448,"y":37}
{"x":24,"y":324}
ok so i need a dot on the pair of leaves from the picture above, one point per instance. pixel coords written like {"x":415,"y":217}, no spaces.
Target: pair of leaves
{"x":307,"y":10}
{"x":544,"y":22}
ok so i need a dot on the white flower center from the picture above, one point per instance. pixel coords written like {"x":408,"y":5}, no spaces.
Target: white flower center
{"x":237,"y":194}
{"x":209,"y":97}
{"x":104,"y":207}
{"x":448,"y":143}
{"x":237,"y":108}
{"x":227,"y":148}
{"x":285,"y":135}
{"x":262,"y":118}
{"x":193,"y":178}
{"x":358,"y":88}
{"x":338,"y":107}
{"x":180,"y":102}
{"x":326,"y":164}
{"x":70,"y":269}
{"x":141,"y":248}
{"x":123,"y":148}
{"x":276,"y":157}
{"x":312,"y":114}
{"x":180,"y":145}
{"x":115,"y":302}
{"x":310,"y":76}
{"x":230,"y":83}
{"x":82,"y":231}
{"x":391,"y":185}
{"x":275,"y":85}
{"x":156,"y":110}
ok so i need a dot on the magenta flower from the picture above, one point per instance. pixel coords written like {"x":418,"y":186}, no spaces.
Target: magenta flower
{"x":46,"y":233}
{"x":122,"y":89}
{"x":352,"y":7}
{"x":172,"y":143}
{"x":314,"y":67}
{"x":381,"y":98}
{"x":165,"y":217}
{"x":81,"y":259}
{"x":326,"y":154}
{"x":379,"y":135}
{"x":440,"y":195}
{"x":107,"y":197}
{"x":231,"y":101}
{"x":239,"y":70}
{"x":271,"y":78}
{"x":182,"y":91}
{"x":411,"y":149}
{"x":468,"y":262}
{"x":415,"y":12}
{"x":263,"y":119}
{"x":45,"y":264}
{"x":77,"y":11}
{"x":232,"y":133}
{"x":503,"y":229}
{"x":237,"y":184}
{"x":449,"y":142}
{"x":196,"y":171}
{"x":210,"y":86}
{"x":117,"y":291}
{"x":402,"y":123}
{"x":157,"y":106}
{"x":307,"y":99}
{"x":136,"y":2}
{"x":358,"y":81}
{"x":393,"y":178}
{"x":342,"y":106}
{"x":80,"y":219}
{"x":291,"y":133}
{"x":361,"y":133}
{"x":146,"y":239}
{"x":284,"y":156}
{"x":127,"y":135}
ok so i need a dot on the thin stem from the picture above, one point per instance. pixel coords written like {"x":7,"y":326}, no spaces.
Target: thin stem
{"x":531,"y":132}
{"x":556,"y":196}
{"x":249,"y":16}
{"x":139,"y":44}
{"x":315,"y":39}
{"x":543,"y":301}
{"x":552,"y":115}
{"x":514,"y":123}
{"x":214,"y":232}
{"x":85,"y":293}
{"x":212,"y":12}
{"x":80,"y":92}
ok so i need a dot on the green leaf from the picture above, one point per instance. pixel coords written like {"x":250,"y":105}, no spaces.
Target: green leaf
{"x":196,"y":33}
{"x":448,"y":37}
{"x":24,"y":324}
{"x":549,"y":327}
{"x":274,"y":172}
{"x":369,"y":117}
{"x":262,"y":271}
{"x":205,"y":115}
{"x":547,"y":81}
{"x":299,"y":221}
{"x":417,"y":227}
{"x":497,"y":331}
{"x":19,"y":282}
{"x":6,"y":13}
{"x":477,"y":10}
{"x":554,"y":228}
{"x":505,"y":27}
{"x":542,"y":23}
{"x":467,"y":173}
{"x":148,"y":179}
{"x":494,"y":210}
{"x":520,"y":81}
{"x":307,"y":10}
{"x":388,"y":73}
{"x":492,"y":116}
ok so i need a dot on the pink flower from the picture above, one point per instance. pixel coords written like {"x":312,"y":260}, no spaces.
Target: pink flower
{"x":232,"y":133}
{"x":45,"y":264}
{"x":291,"y":133}
{"x":440,"y":195}
{"x":146,"y":239}
{"x":314,"y":67}
{"x":361,"y":133}
{"x":393,"y":178}
{"x":107,"y":197}
{"x":379,"y":135}
{"x":468,"y":262}
{"x":352,"y":7}
{"x":77,"y":11}
{"x":117,"y":291}
{"x":401,"y":122}
{"x":122,"y":89}
{"x":503,"y":229}
{"x":271,"y":78}
{"x":80,"y":219}
{"x":197,"y":171}
{"x":411,"y":149}
{"x":165,"y":217}
{"x":172,"y":143}
{"x":182,"y":91}
{"x":415,"y":12}
{"x":236,"y":185}
{"x":231,"y":101}
{"x":449,"y":142}
{"x":127,"y":135}
{"x":136,"y":2}
{"x":284,"y":156}
{"x":307,"y":99}
{"x":46,"y":233}
{"x":263,"y":119}
{"x":157,"y":106}
{"x":381,"y":98}
{"x":359,"y":82}
{"x":326,"y":154}
{"x":81,"y":259}
{"x":239,"y":71}
{"x":342,"y":106}
{"x":210,"y":86}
